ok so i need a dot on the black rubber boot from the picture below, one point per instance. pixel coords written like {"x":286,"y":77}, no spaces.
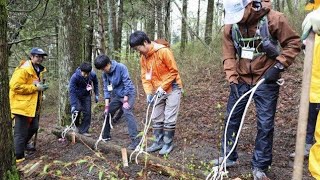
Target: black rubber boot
{"x":158,"y":143}
{"x":168,"y":144}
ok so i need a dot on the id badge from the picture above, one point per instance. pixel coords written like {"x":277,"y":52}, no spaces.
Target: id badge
{"x":109,"y":87}
{"x":148,"y":76}
{"x":89,"y":87}
{"x":247,"y":53}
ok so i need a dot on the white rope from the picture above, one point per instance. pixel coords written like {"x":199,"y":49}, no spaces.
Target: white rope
{"x":220,"y":171}
{"x":101,"y":133}
{"x":72,"y":126}
{"x":139,"y":148}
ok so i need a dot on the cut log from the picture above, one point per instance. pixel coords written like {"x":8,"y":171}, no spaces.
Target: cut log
{"x":168,"y":168}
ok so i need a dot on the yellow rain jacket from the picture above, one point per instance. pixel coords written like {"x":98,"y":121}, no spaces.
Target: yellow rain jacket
{"x":23,"y":92}
{"x":314,"y":157}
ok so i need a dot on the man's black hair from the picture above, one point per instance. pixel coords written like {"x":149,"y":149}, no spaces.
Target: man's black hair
{"x":102,"y":61}
{"x":138,"y":38}
{"x":85,"y":67}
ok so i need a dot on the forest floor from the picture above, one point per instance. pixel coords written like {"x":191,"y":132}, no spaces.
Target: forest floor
{"x":198,"y":133}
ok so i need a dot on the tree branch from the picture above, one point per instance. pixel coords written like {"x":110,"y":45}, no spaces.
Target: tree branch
{"x":27,"y":10}
{"x":29,"y":39}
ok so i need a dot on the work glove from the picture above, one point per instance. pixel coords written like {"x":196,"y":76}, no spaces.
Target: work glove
{"x":126,"y":105}
{"x":73,"y":110}
{"x":160,"y":92}
{"x":96,"y":99}
{"x":273,"y":74}
{"x":311,"y":22}
{"x":234,"y":90}
{"x":149,"y":98}
{"x":42,"y":87}
{"x":106,"y":110}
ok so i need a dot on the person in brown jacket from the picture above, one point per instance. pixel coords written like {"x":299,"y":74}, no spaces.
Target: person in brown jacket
{"x":252,"y":39}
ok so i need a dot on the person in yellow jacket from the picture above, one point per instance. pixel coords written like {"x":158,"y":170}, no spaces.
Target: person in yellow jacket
{"x":312,"y":22}
{"x":26,"y":87}
{"x":160,"y":77}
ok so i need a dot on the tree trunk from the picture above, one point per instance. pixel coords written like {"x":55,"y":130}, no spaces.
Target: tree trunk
{"x":101,"y":39}
{"x":119,"y":28}
{"x":290,"y":8}
{"x":209,"y":20}
{"x":150,"y":20}
{"x":167,"y":21}
{"x":111,"y":25}
{"x":159,"y":19}
{"x":70,"y":51}
{"x":7,"y":166}
{"x":184,"y":35}
{"x":198,"y":19}
{"x":89,"y":33}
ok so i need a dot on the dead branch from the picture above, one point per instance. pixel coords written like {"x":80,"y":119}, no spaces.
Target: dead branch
{"x":166,"y":167}
{"x":29,"y":39}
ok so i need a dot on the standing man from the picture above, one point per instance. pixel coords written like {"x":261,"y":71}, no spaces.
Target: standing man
{"x":160,"y":77}
{"x":116,"y":80}
{"x":26,"y":90}
{"x":251,"y":40}
{"x":82,"y":82}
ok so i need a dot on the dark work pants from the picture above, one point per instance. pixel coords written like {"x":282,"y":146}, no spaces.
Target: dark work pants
{"x":84,"y":106}
{"x":312,"y":119}
{"x":114,"y":105}
{"x":23,"y":132}
{"x":265,"y":99}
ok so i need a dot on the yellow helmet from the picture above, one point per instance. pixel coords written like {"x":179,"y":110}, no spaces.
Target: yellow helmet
{"x":312,"y":4}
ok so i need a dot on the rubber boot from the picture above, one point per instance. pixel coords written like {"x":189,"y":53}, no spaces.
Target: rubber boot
{"x":158,"y":143}
{"x":168,"y":144}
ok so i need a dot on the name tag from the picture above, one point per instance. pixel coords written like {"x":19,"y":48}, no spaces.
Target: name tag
{"x":247,"y":53}
{"x":148,"y":76}
{"x":109,"y":87}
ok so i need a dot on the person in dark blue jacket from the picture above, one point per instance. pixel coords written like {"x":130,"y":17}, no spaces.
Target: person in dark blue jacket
{"x":119,"y":92}
{"x":82,"y":82}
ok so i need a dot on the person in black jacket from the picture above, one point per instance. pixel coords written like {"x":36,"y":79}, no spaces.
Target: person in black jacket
{"x":82,"y":82}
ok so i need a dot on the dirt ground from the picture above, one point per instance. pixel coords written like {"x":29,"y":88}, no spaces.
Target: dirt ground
{"x":197,"y":138}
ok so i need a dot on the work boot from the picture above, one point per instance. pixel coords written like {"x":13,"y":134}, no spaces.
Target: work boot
{"x":134,"y":143}
{"x":259,"y":174}
{"x":306,"y":151}
{"x":158,"y":142}
{"x":19,"y":158}
{"x":167,"y":139}
{"x":229,"y":163}
{"x":30,"y":147}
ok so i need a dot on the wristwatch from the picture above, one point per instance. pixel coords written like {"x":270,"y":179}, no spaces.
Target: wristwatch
{"x":279,"y":66}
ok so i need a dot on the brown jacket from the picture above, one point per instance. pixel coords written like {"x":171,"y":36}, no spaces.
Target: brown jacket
{"x":251,"y":71}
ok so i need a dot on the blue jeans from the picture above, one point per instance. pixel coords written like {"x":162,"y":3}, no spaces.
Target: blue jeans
{"x":115,"y":104}
{"x":84,"y":106}
{"x":312,"y":119}
{"x":265,"y":99}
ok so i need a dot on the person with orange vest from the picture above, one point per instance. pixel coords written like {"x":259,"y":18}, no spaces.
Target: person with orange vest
{"x":312,"y":22}
{"x":160,"y":77}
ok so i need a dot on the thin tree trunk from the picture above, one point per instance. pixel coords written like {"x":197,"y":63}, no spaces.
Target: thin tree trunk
{"x":209,"y":20}
{"x":119,"y":29}
{"x":167,"y":20}
{"x":101,"y":32}
{"x":111,"y":25}
{"x":150,"y":20}
{"x":290,"y":8}
{"x":7,"y":165}
{"x":184,"y":35}
{"x":159,"y":19}
{"x":71,"y":51}
{"x":198,"y":19}
{"x":89,"y":33}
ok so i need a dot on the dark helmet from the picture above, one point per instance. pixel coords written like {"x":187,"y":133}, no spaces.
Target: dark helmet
{"x":101,"y":61}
